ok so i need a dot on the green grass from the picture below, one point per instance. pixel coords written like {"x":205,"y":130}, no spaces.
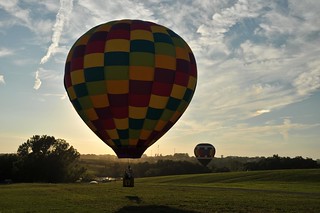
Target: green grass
{"x":263,"y":191}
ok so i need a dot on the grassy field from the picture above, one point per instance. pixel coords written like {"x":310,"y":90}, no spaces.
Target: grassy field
{"x":263,"y":191}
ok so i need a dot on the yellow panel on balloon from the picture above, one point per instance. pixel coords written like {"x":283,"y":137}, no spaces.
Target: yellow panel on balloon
{"x":192,"y":82}
{"x":175,"y":116}
{"x":158,"y":29}
{"x":160,"y":125}
{"x":133,"y":141}
{"x":99,"y":101}
{"x":93,"y":60}
{"x":166,"y":62}
{"x":141,"y":73}
{"x":113,"y":134}
{"x":121,"y":123}
{"x":144,"y":135}
{"x":104,"y":27}
{"x":77,"y":77}
{"x":178,"y":91}
{"x":182,"y":53}
{"x":158,"y":102}
{"x":71,"y":93}
{"x":83,"y":40}
{"x":137,"y":112}
{"x":117,"y":45}
{"x":141,"y":34}
{"x":118,"y":86}
{"x":91,"y":114}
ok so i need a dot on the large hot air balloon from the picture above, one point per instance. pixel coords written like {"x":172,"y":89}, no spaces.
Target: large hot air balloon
{"x":204,"y":153}
{"x":130,"y":81}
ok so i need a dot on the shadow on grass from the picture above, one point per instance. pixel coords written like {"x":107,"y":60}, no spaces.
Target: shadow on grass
{"x":134,"y":199}
{"x":153,"y":209}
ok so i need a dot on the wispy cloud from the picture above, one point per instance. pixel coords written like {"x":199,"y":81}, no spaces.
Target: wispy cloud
{"x":252,"y":61}
{"x":260,"y":112}
{"x":62,"y":96}
{"x":48,"y":77}
{"x":5,"y":52}
{"x":37,"y":82}
{"x":248,"y":59}
{"x":2,"y":80}
{"x":61,"y":18}
{"x":12,"y":7}
{"x":284,"y":131}
{"x":308,"y":81}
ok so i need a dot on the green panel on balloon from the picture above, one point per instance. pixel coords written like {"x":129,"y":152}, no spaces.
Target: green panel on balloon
{"x":183,"y":105}
{"x":85,"y":102}
{"x":149,"y":124}
{"x":165,"y":49}
{"x":116,"y":72}
{"x":178,"y":42}
{"x":134,"y":134}
{"x":96,"y":88}
{"x":167,"y":115}
{"x":141,"y":59}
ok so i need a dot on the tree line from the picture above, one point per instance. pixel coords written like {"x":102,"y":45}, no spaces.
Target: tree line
{"x":41,"y":159}
{"x":47,"y":159}
{"x":182,"y":163}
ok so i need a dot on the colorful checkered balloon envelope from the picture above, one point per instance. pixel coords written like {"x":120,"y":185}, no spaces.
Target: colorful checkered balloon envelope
{"x":130,"y":81}
{"x":204,"y":153}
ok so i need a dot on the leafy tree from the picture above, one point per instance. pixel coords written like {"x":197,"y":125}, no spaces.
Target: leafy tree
{"x":46,"y":159}
{"x":7,"y":166}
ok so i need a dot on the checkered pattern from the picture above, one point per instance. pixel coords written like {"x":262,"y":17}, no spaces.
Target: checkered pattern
{"x":204,"y":153}
{"x":130,"y":81}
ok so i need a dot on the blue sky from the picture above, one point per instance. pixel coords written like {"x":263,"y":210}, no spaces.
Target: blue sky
{"x":258,"y":91}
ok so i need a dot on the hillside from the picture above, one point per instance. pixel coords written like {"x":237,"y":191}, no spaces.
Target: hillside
{"x":294,"y":175}
{"x":291,"y":191}
{"x":300,"y":180}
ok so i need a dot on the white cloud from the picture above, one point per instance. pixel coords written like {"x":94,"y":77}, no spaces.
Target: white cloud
{"x":13,"y":8}
{"x":50,"y":5}
{"x":284,"y":130}
{"x":253,"y":59}
{"x":264,"y":132}
{"x":27,"y":14}
{"x":62,"y":96}
{"x":257,"y":53}
{"x":61,"y":18}
{"x":2,"y":80}
{"x":308,"y":81}
{"x":5,"y":52}
{"x":52,"y":79}
{"x":37,"y":82}
{"x":261,"y":111}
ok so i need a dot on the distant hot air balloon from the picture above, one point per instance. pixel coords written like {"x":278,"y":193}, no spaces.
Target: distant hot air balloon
{"x":204,"y":153}
{"x":130,"y":81}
